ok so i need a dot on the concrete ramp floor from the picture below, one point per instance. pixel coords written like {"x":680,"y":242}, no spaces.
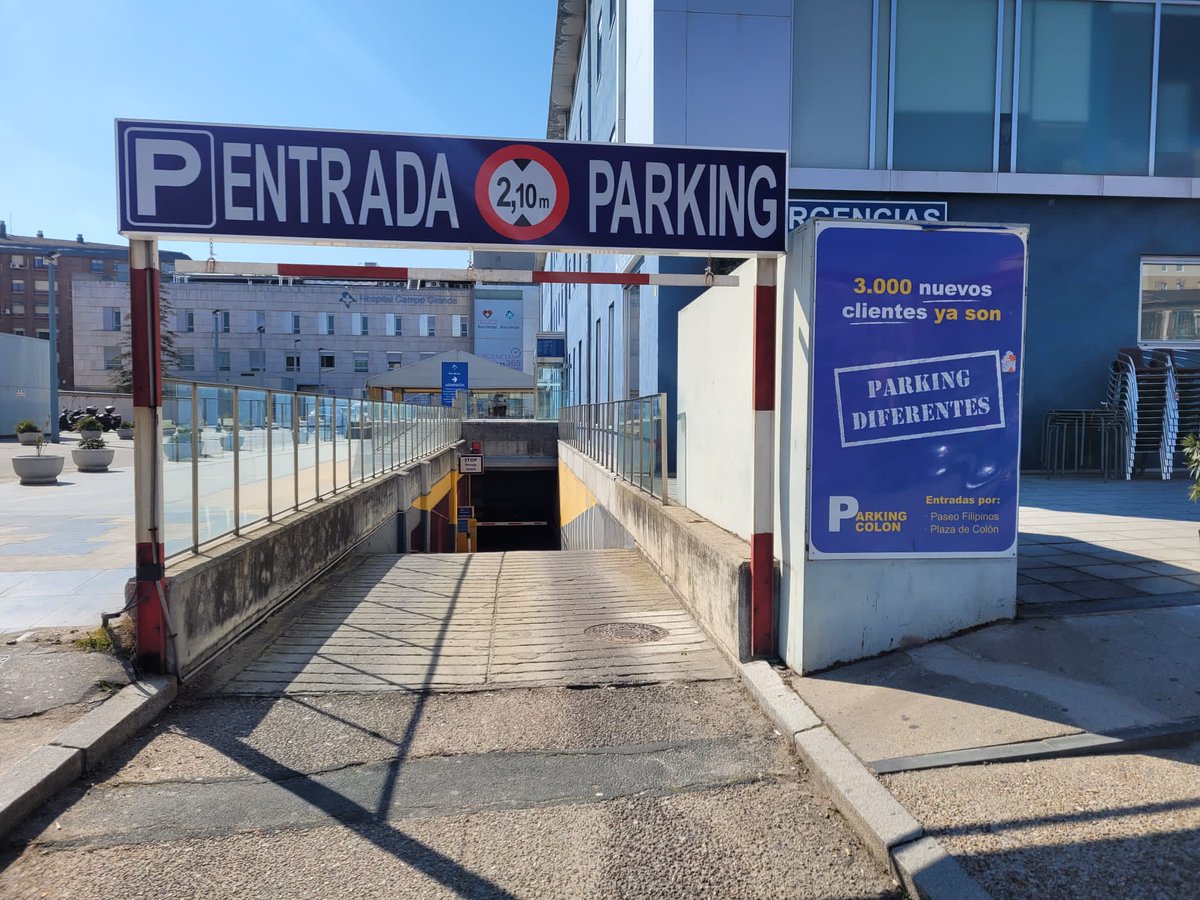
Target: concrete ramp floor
{"x":482,"y":621}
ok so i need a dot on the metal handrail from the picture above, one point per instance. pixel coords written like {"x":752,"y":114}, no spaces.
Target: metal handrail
{"x":626,"y":437}
{"x":396,"y":433}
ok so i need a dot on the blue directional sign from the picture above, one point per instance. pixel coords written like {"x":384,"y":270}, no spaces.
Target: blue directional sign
{"x":454,"y":379}
{"x":287,"y":184}
{"x":916,"y":390}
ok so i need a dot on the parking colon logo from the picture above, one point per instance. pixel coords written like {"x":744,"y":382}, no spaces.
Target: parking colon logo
{"x":169,"y":178}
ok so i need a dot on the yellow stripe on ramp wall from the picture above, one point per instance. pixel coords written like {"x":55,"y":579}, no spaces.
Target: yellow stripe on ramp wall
{"x":574,"y":499}
{"x":436,"y":493}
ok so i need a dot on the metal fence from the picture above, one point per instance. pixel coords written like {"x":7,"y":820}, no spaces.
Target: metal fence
{"x":238,"y":456}
{"x":627,"y":437}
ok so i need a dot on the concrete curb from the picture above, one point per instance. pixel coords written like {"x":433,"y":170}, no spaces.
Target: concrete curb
{"x":45,"y":771}
{"x":890,"y":833}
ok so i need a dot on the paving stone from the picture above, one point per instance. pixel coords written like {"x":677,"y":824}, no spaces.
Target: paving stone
{"x":1161,"y":584}
{"x":1102,"y":589}
{"x":1053,"y":574}
{"x":1043,"y":593}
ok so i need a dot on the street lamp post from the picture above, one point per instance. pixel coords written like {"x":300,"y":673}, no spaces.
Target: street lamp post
{"x":217,"y":344}
{"x":52,"y":264}
{"x":262,"y":356}
{"x":320,"y":369}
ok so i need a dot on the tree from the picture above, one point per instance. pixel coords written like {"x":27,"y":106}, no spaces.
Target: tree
{"x":121,"y":378}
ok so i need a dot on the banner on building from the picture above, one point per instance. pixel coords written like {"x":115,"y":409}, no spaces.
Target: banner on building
{"x":500,"y":330}
{"x":801,"y":209}
{"x":916,"y":390}
{"x":289,"y":184}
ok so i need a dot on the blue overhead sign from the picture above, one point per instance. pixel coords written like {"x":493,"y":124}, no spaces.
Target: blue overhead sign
{"x":287,"y":184}
{"x":801,"y":209}
{"x":454,"y":379}
{"x":916,"y":391}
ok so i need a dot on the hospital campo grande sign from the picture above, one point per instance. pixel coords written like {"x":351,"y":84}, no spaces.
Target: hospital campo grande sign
{"x":300,"y":185}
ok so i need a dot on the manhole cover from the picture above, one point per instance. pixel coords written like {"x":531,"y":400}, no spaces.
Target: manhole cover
{"x":627,"y":633}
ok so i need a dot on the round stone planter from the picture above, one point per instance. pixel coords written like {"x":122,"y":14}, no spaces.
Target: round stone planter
{"x":29,"y":438}
{"x":84,"y":435}
{"x":92,"y":460}
{"x":125,"y":434}
{"x":38,"y":469}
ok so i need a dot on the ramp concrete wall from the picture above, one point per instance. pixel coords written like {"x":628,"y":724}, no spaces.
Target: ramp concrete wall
{"x":715,"y":417}
{"x":218,"y":596}
{"x":707,"y":567}
{"x":513,"y":443}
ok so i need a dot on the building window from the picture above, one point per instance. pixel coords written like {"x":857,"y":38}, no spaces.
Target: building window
{"x":39,"y":262}
{"x":258,"y":361}
{"x":429,"y":326}
{"x":291,"y":362}
{"x":19,"y":332}
{"x":17,"y":262}
{"x":112,"y":318}
{"x":1178,"y":124}
{"x":295,"y":323}
{"x":1170,"y":315}
{"x":42,"y":286}
{"x":1085,"y":87}
{"x":98,"y":266}
{"x":41,"y":309}
{"x":326,"y":360}
{"x":187,"y":320}
{"x":361,"y":361}
{"x":221,"y":320}
{"x":112,"y":357}
{"x":358,"y":324}
{"x":328,"y":323}
{"x":394,"y":360}
{"x":223,"y":361}
{"x":394,"y":326}
{"x":458,"y":326}
{"x":18,"y":308}
{"x":187,"y":362}
{"x":941,"y":123}
{"x":599,"y":44}
{"x":18,"y":284}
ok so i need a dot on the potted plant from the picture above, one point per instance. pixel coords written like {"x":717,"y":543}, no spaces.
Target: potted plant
{"x":39,"y":469}
{"x":89,"y":427}
{"x":92,"y":455}
{"x":28,"y":432}
{"x":125,"y":430}
{"x":178,"y":446}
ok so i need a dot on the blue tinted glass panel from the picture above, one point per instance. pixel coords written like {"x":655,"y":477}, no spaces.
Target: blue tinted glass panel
{"x":1085,"y":87}
{"x":945,"y":93}
{"x":1177,"y":145}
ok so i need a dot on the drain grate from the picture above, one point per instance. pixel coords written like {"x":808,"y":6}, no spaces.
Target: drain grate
{"x":626,"y":633}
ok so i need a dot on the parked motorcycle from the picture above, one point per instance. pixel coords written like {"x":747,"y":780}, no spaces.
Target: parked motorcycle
{"x":109,"y":420}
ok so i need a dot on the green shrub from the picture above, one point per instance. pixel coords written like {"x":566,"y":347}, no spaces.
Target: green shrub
{"x":27,"y":426}
{"x":126,"y":423}
{"x":89,"y":423}
{"x":1191,"y":453}
{"x":92,"y":444}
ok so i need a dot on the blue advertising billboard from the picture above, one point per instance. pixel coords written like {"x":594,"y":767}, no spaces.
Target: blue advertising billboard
{"x":290,"y":184}
{"x":454,"y":379}
{"x":916,"y":390}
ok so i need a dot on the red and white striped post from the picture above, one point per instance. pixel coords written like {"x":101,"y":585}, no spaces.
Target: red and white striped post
{"x":762,"y":541}
{"x":146,"y":351}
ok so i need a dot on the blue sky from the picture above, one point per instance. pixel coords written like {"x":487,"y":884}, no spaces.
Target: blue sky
{"x":472,"y":67}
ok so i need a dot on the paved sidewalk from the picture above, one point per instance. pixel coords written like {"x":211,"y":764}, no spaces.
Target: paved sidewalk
{"x":66,"y":549}
{"x":1058,"y":755}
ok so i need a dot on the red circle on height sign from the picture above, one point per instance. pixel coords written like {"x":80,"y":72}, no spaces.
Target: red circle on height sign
{"x":552,"y":174}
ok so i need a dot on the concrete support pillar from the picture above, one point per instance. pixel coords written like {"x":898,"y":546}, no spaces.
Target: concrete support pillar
{"x":762,"y":540}
{"x":146,"y":347}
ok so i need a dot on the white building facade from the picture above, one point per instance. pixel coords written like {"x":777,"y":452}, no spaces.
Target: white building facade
{"x":308,"y":337}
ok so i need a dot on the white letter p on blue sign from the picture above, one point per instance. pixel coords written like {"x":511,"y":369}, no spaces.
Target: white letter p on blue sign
{"x":169,"y":178}
{"x":840,"y":509}
{"x":150,"y":178}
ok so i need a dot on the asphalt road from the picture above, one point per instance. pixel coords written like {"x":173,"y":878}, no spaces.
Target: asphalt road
{"x":672,"y":790}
